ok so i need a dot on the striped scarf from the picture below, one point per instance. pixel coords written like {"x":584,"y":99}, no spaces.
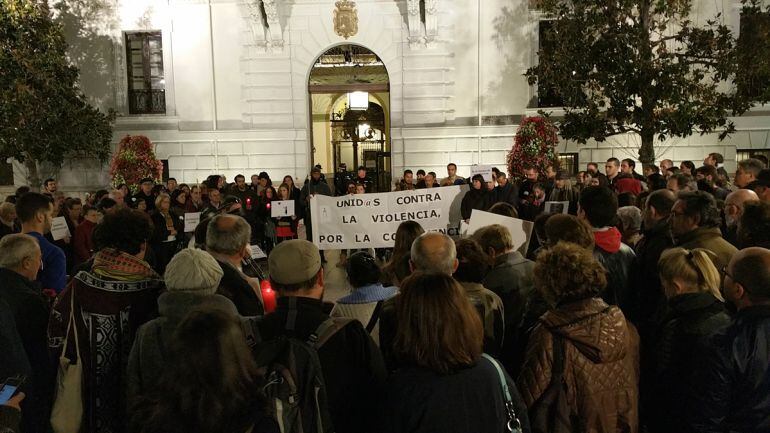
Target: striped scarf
{"x":117,"y":265}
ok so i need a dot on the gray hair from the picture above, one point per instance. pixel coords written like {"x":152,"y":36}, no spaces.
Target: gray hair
{"x":15,"y":248}
{"x":227,"y":234}
{"x":6,"y":210}
{"x":631,"y":217}
{"x":751,"y":165}
{"x":434,"y":258}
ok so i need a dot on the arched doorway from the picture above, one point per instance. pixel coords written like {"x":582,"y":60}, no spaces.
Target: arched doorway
{"x":349,"y":95}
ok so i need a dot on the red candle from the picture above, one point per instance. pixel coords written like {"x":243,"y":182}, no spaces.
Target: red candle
{"x":268,"y":296}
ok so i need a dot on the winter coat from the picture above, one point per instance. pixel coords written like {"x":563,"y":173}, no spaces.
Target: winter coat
{"x":470,"y":400}
{"x":645,"y":280}
{"x":507,"y":194}
{"x":709,"y":238}
{"x":601,"y":365}
{"x":691,"y":319}
{"x":617,"y":259}
{"x":480,"y":199}
{"x":30,"y":311}
{"x":352,"y":365}
{"x":511,"y":278}
{"x":235,"y":287}
{"x":83,"y":242}
{"x":492,"y":312}
{"x":732,"y":379}
{"x":148,"y":354}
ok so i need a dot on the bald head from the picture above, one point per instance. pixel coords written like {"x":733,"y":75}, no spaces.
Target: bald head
{"x":734,"y":204}
{"x":750,"y":268}
{"x":434,"y":252}
{"x":228,"y":234}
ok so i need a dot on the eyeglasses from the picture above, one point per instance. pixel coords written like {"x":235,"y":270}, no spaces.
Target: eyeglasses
{"x":725,"y":273}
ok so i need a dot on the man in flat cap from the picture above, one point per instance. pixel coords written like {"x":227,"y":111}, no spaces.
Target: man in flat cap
{"x":352,"y":365}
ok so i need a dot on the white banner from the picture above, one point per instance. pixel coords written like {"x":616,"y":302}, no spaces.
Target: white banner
{"x":521,"y":230}
{"x":371,"y":220}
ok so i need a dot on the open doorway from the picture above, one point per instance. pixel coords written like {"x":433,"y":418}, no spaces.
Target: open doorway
{"x":350,"y":115}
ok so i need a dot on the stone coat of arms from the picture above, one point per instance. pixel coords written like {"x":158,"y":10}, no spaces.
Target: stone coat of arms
{"x":345,"y":19}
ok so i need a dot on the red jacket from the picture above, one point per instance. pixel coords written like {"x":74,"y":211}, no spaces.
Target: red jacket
{"x":83,"y":242}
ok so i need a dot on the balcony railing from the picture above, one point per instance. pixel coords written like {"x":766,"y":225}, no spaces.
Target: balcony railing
{"x":147,"y":101}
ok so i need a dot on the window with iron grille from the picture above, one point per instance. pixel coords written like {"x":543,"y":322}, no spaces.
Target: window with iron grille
{"x":742,"y":154}
{"x":569,"y":163}
{"x":754,"y":38}
{"x":146,"y":83}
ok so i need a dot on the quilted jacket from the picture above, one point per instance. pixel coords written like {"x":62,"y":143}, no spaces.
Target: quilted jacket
{"x":601,"y":365}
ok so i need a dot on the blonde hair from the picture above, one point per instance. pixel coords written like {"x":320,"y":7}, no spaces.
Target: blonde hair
{"x":695,"y":268}
{"x":159,"y":199}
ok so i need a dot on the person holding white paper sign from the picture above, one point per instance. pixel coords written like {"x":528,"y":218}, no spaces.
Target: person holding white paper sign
{"x":285,"y":227}
{"x":564,"y":191}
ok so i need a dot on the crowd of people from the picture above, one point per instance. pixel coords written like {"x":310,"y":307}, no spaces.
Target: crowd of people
{"x":644,"y":307}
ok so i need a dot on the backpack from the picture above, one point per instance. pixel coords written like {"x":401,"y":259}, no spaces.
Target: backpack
{"x":551,"y":412}
{"x":294,"y":382}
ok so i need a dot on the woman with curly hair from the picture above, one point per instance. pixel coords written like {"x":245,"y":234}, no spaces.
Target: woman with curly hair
{"x":583,"y":343}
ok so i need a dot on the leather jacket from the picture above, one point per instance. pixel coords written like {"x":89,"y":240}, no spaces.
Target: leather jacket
{"x":731,"y":384}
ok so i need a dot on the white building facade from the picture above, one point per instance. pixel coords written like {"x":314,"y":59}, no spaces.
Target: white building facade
{"x":234,"y":78}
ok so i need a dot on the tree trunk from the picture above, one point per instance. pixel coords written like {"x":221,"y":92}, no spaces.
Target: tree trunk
{"x":33,"y":174}
{"x":647,"y":151}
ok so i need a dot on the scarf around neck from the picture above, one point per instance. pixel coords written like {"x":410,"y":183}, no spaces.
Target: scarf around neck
{"x":117,"y":265}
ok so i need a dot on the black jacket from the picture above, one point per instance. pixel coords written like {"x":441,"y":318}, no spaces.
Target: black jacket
{"x":30,"y":312}
{"x":691,"y":319}
{"x":480,"y":199}
{"x":645,"y":280}
{"x":731,"y":383}
{"x":352,"y":365}
{"x":617,"y":259}
{"x":234,"y":287}
{"x":418,"y":400}
{"x":507,"y":194}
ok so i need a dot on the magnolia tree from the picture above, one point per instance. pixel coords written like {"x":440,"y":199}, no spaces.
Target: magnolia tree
{"x":134,"y":160}
{"x":645,"y":67}
{"x":534,"y":146}
{"x":44,"y":117}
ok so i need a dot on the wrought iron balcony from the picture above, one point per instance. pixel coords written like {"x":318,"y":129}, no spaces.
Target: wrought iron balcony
{"x":147,"y":101}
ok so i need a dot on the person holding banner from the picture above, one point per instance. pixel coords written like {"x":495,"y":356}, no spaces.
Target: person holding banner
{"x":312,"y":187}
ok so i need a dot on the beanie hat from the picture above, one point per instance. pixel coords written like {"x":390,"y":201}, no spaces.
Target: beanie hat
{"x":193,"y":270}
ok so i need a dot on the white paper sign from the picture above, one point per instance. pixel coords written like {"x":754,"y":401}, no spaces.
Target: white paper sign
{"x":257,"y":253}
{"x":191,"y":221}
{"x":556,"y":207}
{"x":484,"y":170}
{"x":371,"y":220}
{"x":59,"y":229}
{"x":521,"y":231}
{"x":282,"y":208}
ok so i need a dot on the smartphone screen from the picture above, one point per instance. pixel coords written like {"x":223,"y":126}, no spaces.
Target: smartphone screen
{"x":6,"y":392}
{"x":9,"y":388}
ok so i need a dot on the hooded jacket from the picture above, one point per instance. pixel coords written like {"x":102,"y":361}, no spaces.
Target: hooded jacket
{"x":617,"y":259}
{"x":601,"y":365}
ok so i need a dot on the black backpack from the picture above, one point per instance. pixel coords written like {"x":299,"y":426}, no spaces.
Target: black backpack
{"x":294,"y":382}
